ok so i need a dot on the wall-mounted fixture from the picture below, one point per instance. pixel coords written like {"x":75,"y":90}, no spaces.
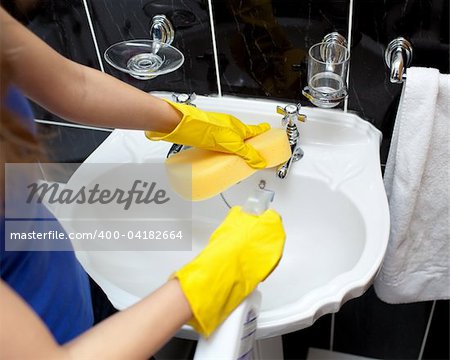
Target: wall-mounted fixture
{"x":145,"y":59}
{"x":398,"y":56}
{"x":161,"y":30}
{"x":327,"y":71}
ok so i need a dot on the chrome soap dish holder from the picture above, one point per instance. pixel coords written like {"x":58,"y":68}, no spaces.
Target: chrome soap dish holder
{"x":327,"y":71}
{"x":146,"y":59}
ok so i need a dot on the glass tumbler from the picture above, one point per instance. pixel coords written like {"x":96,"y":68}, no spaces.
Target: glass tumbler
{"x":327,"y":74}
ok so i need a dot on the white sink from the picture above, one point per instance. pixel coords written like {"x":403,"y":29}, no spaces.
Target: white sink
{"x":333,"y":206}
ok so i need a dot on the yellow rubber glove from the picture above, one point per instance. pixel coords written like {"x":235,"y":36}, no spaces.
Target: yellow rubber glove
{"x":241,"y":253}
{"x":214,"y":131}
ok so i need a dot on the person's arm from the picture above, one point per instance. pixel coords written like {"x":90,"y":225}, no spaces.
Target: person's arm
{"x":202,"y":293}
{"x":81,"y":94}
{"x":135,"y":333}
{"x":76,"y":92}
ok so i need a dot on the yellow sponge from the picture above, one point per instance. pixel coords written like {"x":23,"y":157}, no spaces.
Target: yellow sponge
{"x":197,"y":174}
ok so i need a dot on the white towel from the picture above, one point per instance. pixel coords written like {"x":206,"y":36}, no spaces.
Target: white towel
{"x":416,"y":265}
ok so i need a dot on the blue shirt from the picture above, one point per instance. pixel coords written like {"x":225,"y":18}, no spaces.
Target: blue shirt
{"x":53,"y":283}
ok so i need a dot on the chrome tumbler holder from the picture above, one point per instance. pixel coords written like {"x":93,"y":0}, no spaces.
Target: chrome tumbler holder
{"x":335,"y":38}
{"x":327,"y":71}
{"x":324,"y":100}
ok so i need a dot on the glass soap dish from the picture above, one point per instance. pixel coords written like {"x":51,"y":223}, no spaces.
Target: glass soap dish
{"x":144,"y":59}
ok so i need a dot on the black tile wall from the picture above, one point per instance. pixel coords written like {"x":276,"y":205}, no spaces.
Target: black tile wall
{"x":69,"y":144}
{"x":296,"y":344}
{"x":437,"y":345}
{"x":368,"y":327}
{"x":262,"y":47}
{"x":424,"y":23}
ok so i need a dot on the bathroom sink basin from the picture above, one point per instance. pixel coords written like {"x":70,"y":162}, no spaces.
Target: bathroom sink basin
{"x":332,"y":202}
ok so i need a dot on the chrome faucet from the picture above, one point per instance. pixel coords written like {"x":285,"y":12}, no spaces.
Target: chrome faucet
{"x":181,"y":99}
{"x":290,"y":116}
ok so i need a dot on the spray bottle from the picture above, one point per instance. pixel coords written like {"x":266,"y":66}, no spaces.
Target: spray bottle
{"x":234,"y":339}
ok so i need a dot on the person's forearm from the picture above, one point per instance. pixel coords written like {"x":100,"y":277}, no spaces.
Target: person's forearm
{"x":76,"y":92}
{"x":137,"y":332}
{"x":102,"y":100}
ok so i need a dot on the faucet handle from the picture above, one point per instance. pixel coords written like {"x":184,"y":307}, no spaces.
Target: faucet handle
{"x":290,"y":113}
{"x":183,"y":98}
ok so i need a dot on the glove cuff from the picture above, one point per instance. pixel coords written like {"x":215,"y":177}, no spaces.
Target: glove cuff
{"x":156,"y":135}
{"x":212,"y":293}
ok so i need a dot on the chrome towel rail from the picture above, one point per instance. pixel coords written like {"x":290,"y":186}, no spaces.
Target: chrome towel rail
{"x":398,"y":56}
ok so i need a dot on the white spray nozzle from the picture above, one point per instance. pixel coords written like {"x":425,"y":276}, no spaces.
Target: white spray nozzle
{"x":258,"y":201}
